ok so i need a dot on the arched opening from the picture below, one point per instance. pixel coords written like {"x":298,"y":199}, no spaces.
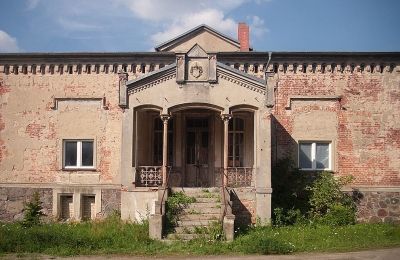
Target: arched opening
{"x":194,"y":145}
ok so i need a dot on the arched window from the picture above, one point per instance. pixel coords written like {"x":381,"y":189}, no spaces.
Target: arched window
{"x":158,"y":142}
{"x":236,"y":142}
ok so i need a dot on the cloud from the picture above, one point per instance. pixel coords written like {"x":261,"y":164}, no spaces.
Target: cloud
{"x":257,"y":26}
{"x":154,"y":20}
{"x":211,"y":17}
{"x":8,"y":43}
{"x":74,"y":25}
{"x":174,"y":17}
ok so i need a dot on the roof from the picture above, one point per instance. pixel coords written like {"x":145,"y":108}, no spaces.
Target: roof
{"x":193,"y":31}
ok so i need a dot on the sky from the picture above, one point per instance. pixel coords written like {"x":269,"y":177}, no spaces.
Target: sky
{"x":140,"y":25}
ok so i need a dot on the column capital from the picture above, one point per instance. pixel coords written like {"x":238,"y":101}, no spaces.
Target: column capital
{"x":226,"y":117}
{"x":165,"y":117}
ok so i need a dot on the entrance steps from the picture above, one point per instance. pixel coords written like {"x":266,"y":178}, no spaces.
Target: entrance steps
{"x":197,"y":217}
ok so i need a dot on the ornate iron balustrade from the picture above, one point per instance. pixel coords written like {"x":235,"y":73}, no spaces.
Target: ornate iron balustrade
{"x":149,"y":176}
{"x":240,"y":176}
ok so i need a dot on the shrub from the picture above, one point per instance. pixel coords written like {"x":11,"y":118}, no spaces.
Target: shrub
{"x":288,"y":217}
{"x":301,"y":198}
{"x":32,"y":211}
{"x":328,"y":204}
{"x":338,"y":215}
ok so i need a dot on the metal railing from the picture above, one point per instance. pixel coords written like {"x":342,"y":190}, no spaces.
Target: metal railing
{"x":240,"y":176}
{"x":149,"y":176}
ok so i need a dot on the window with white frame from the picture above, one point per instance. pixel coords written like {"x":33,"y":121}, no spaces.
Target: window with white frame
{"x":315,"y":155}
{"x":78,"y":154}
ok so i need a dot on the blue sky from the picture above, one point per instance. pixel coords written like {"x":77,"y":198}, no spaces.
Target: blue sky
{"x":139,"y":25}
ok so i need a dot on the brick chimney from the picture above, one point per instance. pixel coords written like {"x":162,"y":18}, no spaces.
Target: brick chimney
{"x":243,"y":37}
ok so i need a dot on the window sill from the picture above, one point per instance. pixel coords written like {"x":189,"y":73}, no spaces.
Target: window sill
{"x":79,"y":169}
{"x":315,"y":170}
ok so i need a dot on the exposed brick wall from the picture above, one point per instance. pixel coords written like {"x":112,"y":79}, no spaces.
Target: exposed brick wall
{"x":13,"y":199}
{"x":244,"y":205}
{"x":368,"y":121}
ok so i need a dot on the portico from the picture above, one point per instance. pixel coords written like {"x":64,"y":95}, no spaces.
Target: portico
{"x":194,"y":123}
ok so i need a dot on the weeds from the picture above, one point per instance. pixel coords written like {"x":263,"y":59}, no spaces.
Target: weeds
{"x":113,"y":236}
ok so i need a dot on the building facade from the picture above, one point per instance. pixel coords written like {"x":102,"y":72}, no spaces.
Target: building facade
{"x":98,"y":132}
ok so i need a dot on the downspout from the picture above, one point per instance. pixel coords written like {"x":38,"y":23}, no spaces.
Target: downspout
{"x":267,"y":104}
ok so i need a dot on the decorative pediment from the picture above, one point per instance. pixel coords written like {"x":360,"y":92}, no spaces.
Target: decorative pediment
{"x":196,"y":66}
{"x":197,"y":52}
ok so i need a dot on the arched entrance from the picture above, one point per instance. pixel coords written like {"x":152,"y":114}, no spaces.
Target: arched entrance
{"x":194,"y":146}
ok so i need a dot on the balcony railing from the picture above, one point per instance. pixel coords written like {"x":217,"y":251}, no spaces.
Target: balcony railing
{"x":149,"y":176}
{"x":240,"y":176}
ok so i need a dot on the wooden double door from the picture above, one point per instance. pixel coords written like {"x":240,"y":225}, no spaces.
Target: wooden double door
{"x":198,"y":154}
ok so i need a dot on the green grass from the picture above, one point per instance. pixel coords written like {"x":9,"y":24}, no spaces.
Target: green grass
{"x":115,"y":237}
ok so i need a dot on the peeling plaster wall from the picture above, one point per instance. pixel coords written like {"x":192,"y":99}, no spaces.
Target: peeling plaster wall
{"x":32,"y":130}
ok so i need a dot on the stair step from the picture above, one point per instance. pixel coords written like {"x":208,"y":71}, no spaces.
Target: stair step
{"x":193,"y":210}
{"x":202,"y":192}
{"x":208,"y":200}
{"x":203,"y":205}
{"x":188,"y":229}
{"x":210,"y":216}
{"x":186,"y":223}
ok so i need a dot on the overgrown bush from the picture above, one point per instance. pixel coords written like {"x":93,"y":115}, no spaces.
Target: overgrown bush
{"x":174,"y":206}
{"x":33,"y":211}
{"x":328,"y":203}
{"x":301,"y":198}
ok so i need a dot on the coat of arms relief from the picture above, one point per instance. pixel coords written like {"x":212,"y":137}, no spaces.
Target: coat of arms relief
{"x":196,"y":70}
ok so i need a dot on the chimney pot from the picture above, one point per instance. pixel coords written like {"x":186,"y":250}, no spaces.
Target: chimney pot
{"x":243,"y":36}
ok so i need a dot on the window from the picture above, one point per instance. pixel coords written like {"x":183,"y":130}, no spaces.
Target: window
{"x":158,"y":141}
{"x":236,"y":142}
{"x":78,"y":154}
{"x":315,"y":155}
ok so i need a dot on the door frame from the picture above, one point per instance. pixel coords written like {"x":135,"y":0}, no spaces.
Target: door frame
{"x":211,"y":148}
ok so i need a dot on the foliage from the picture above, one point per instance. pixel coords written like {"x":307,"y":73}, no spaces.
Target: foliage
{"x":289,"y":186}
{"x":32,"y":211}
{"x":175,"y":204}
{"x":301,"y":198}
{"x":289,"y":217}
{"x":113,"y":236}
{"x":328,"y":203}
{"x":338,"y":215}
{"x":212,"y":232}
{"x":326,"y":193}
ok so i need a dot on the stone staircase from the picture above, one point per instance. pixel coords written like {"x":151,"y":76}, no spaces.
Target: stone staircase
{"x":196,"y":218}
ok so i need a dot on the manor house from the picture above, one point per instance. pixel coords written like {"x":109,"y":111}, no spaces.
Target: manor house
{"x":98,"y":132}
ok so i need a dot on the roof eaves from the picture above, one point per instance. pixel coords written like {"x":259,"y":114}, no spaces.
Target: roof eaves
{"x":153,"y":73}
{"x":243,"y":74}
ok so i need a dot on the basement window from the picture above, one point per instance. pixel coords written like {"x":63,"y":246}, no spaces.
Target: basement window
{"x":78,"y":154}
{"x":314,"y":155}
{"x":88,"y":207}
{"x":66,"y":207}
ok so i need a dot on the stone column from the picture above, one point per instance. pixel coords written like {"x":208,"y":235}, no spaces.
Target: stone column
{"x":225,"y":118}
{"x":127,"y":170}
{"x":263,"y":173}
{"x":165,"y":118}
